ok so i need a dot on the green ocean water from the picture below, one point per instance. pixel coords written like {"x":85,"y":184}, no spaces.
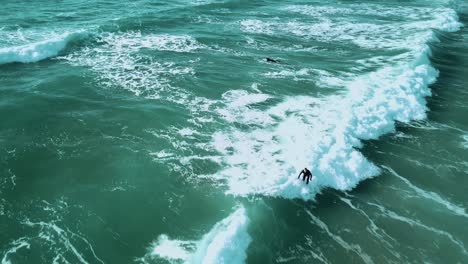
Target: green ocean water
{"x":157,"y":132}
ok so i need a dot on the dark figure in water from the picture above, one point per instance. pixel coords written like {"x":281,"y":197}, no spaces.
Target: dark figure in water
{"x":306,"y":175}
{"x":271,"y":60}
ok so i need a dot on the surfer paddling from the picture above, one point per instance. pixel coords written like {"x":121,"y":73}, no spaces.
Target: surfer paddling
{"x":307,"y":175}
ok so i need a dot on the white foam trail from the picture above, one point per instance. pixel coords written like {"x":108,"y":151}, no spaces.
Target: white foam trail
{"x":46,"y":229}
{"x":226,"y":242}
{"x":37,"y":51}
{"x":16,"y":245}
{"x":351,"y":247}
{"x":324,"y":133}
{"x":388,"y":213}
{"x":53,"y":234}
{"x":455,"y":209}
{"x":374,"y":229}
{"x":316,"y":255}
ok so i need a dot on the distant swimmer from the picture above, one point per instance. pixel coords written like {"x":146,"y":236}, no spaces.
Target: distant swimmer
{"x":306,"y":175}
{"x":272,"y":60}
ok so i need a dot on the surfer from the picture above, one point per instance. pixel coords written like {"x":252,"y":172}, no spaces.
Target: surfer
{"x":306,"y":175}
{"x":271,"y":60}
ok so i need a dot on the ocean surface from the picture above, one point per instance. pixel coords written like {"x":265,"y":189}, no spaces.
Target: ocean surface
{"x":157,"y":132}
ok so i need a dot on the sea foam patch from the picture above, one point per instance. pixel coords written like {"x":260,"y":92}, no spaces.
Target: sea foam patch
{"x":119,"y":61}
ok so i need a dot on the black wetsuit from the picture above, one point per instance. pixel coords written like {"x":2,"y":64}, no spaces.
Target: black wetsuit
{"x":306,"y":175}
{"x":272,"y":60}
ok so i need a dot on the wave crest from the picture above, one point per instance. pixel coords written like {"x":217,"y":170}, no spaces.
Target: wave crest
{"x":38,"y":51}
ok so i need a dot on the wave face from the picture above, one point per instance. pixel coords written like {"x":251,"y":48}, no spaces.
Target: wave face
{"x":226,"y":242}
{"x":38,"y":51}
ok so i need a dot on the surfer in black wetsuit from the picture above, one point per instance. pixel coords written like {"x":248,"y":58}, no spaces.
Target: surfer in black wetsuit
{"x":271,"y":60}
{"x":306,"y":175}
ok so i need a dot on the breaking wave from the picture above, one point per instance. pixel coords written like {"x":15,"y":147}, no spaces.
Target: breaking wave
{"x":226,"y":242}
{"x":38,"y":51}
{"x":325,"y":133}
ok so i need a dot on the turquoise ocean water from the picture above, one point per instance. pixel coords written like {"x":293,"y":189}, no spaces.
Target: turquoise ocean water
{"x":157,"y":132}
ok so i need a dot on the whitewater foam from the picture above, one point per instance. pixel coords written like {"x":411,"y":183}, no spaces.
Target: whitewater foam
{"x":326,"y":133}
{"x":117,"y":60}
{"x":238,"y":109}
{"x":226,"y":242}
